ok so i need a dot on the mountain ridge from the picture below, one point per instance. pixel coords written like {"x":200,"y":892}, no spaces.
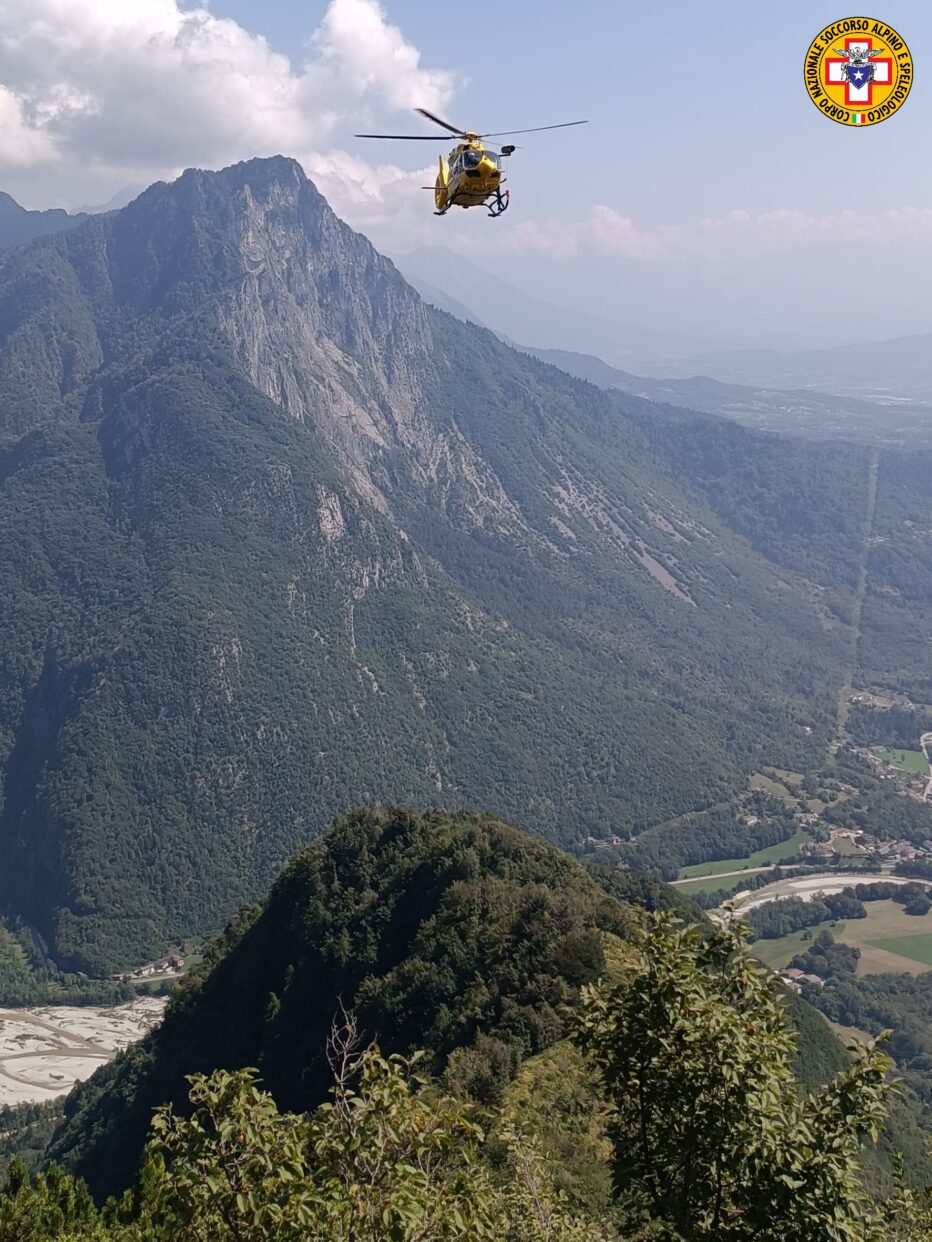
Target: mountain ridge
{"x":902,"y":363}
{"x":787,"y":411}
{"x":513,"y":313}
{"x":19,"y":224}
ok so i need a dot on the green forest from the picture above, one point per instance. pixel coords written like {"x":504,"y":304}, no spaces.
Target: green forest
{"x":28,"y":977}
{"x":661,"y":1102}
{"x":901,"y":1004}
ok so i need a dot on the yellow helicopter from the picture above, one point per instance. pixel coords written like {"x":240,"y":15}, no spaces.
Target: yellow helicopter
{"x":472,"y":177}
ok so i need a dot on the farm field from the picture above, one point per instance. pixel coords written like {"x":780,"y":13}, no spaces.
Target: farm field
{"x":712,"y":883}
{"x":917,"y":948}
{"x":890,"y":941}
{"x":762,"y":858}
{"x":784,"y":774}
{"x":850,"y":1034}
{"x":906,"y":760}
{"x":777,"y":954}
{"x":844,"y":845}
{"x":776,"y":788}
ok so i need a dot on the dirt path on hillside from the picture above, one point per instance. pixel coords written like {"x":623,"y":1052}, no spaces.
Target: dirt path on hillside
{"x":926,"y":743}
{"x":844,"y":693}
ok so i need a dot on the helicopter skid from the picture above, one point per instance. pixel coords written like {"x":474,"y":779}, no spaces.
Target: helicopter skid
{"x":499,"y":204}
{"x":496,"y":205}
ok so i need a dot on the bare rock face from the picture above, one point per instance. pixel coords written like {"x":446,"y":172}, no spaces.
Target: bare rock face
{"x":327,"y":329}
{"x":346,"y":363}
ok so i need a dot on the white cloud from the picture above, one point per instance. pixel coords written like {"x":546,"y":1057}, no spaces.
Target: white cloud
{"x":21,"y":145}
{"x":358,"y":53}
{"x":101,"y":92}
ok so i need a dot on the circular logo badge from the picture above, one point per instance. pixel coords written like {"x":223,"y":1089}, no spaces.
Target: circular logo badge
{"x":858,"y":71}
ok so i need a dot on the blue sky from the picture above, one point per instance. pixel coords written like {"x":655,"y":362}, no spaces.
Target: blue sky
{"x":695,"y":109}
{"x":706,"y":194}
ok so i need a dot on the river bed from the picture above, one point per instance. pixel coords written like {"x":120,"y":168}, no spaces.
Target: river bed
{"x":45,"y":1051}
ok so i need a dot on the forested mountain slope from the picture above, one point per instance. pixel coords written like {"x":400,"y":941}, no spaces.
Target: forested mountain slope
{"x":18,"y":225}
{"x":277,"y":539}
{"x":458,"y":935}
{"x":806,"y":413}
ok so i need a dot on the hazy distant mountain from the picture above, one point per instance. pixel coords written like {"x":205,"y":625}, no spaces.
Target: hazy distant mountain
{"x":790,"y":412}
{"x":278,"y":539}
{"x":443,"y":301}
{"x":890,"y":370}
{"x":122,"y":198}
{"x":838,"y":413}
{"x":19,"y":225}
{"x":487,"y":298}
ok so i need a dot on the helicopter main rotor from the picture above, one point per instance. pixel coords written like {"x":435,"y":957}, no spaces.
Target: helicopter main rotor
{"x":465,"y":134}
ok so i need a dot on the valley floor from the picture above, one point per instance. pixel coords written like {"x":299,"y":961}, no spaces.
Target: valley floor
{"x":45,"y":1051}
{"x":809,"y":887}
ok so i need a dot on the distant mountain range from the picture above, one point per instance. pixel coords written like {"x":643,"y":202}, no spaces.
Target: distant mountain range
{"x":18,"y":225}
{"x":767,"y":389}
{"x":883,"y":371}
{"x":799,"y":412}
{"x":467,"y":288}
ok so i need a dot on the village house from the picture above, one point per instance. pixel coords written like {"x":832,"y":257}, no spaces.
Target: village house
{"x":816,"y":849}
{"x":806,"y":819}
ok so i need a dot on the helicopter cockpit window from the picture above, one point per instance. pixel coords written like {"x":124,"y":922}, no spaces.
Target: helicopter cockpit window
{"x":472,"y":159}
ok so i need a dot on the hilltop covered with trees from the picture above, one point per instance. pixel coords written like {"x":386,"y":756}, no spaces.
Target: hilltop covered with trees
{"x":458,"y":936}
{"x":700,"y":1122}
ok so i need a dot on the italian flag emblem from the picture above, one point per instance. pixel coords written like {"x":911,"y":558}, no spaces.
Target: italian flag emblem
{"x":857,"y":118}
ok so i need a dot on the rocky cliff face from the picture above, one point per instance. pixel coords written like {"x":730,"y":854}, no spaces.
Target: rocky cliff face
{"x":277,"y":539}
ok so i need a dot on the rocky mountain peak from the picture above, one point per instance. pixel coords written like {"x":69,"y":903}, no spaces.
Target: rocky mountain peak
{"x":318,"y":321}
